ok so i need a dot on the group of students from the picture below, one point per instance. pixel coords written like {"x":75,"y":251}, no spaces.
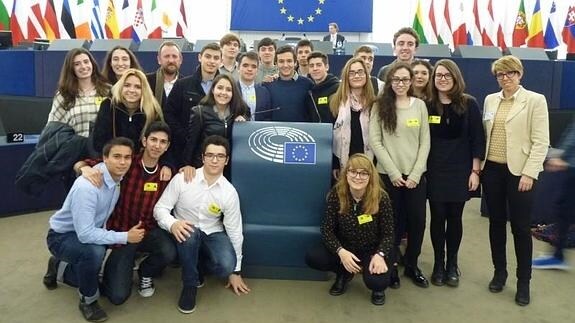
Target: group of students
{"x":413,"y":136}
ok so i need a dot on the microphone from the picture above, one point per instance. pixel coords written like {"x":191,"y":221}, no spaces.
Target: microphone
{"x":268,"y":110}
{"x":315,"y":106}
{"x":304,"y":36}
{"x":283,"y":36}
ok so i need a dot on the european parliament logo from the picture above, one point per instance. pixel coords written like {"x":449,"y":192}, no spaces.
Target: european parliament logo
{"x":283,"y":145}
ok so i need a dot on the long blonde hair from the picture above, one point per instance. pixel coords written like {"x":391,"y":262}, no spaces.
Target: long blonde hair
{"x":373,"y":192}
{"x":343,"y":91}
{"x":148,"y":103}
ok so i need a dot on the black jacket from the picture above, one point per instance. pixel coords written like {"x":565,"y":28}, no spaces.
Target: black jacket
{"x":57,"y":150}
{"x":320,"y":94}
{"x":126,"y":125}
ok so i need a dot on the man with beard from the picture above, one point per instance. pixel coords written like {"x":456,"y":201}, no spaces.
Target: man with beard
{"x":162,"y":81}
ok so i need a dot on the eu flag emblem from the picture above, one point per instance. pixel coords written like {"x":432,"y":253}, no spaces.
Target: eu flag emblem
{"x":299,"y":153}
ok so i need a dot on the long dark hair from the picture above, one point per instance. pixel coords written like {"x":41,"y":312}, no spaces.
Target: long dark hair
{"x":107,"y":69}
{"x":237,"y":105}
{"x":68,"y":85}
{"x":386,"y":101}
{"x":456,"y":95}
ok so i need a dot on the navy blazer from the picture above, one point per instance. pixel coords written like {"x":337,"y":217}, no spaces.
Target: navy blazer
{"x":263,"y":100}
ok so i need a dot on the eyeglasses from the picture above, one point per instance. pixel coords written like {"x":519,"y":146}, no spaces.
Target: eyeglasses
{"x":211,"y":156}
{"x":360,"y":73}
{"x":360,"y":174}
{"x":501,"y":75}
{"x":446,"y":76}
{"x":397,"y":80}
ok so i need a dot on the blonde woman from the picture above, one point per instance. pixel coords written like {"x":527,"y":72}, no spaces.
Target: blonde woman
{"x":357,"y":230}
{"x":516,"y":124}
{"x":350,"y":106}
{"x":128,"y":112}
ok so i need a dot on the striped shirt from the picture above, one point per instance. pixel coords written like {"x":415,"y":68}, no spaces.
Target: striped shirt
{"x":81,"y":116}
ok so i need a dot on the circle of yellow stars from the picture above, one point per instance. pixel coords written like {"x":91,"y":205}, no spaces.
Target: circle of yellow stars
{"x":300,"y":20}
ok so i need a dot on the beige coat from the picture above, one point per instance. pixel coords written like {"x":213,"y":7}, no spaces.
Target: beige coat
{"x":526,"y":128}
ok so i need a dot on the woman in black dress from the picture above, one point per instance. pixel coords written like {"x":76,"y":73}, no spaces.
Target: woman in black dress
{"x":453,"y":165}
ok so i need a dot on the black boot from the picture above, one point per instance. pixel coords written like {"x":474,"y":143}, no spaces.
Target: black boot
{"x":438,"y":275}
{"x":416,"y":276}
{"x":498,"y":281}
{"x":522,"y":297}
{"x":452,"y":275}
{"x":340,"y":285}
{"x":394,"y":278}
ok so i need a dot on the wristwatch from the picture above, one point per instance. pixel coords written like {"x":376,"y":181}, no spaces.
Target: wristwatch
{"x":380,"y":253}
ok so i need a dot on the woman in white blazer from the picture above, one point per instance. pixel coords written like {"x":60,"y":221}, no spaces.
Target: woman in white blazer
{"x":516,"y":125}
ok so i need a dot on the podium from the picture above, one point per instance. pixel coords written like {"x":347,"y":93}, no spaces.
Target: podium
{"x":282,"y":173}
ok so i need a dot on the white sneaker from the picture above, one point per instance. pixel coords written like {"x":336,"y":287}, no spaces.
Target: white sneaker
{"x":146,"y":287}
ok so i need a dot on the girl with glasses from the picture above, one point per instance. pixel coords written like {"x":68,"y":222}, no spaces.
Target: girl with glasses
{"x":350,"y":106}
{"x":399,"y":137}
{"x":453,"y":165}
{"x":357,"y":230}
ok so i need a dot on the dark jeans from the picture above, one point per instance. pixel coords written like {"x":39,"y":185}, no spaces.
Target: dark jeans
{"x":82,"y":262}
{"x":566,"y":210}
{"x":409,"y":209}
{"x":443,"y":213}
{"x":320,"y":258}
{"x":118,"y":271}
{"x":214,"y":253}
{"x":501,"y":191}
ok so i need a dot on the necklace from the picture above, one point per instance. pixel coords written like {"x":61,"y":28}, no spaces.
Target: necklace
{"x":146,"y":169}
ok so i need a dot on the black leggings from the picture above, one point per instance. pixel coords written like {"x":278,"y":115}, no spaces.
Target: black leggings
{"x":442,"y":235}
{"x":320,"y":258}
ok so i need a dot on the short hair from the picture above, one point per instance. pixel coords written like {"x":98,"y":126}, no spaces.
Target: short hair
{"x":363,"y":49}
{"x":212,"y":46}
{"x":117,"y":141}
{"x":216,"y":140}
{"x":303,"y":43}
{"x":409,"y":31}
{"x":507,"y":63}
{"x":228,"y":38}
{"x":266,"y":41}
{"x":321,"y":55}
{"x":250,"y":55}
{"x":286,"y":49}
{"x":169,"y":43}
{"x":158,"y":126}
{"x":333,"y":24}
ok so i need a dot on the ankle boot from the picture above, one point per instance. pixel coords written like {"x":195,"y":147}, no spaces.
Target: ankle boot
{"x":498,"y":281}
{"x":394,"y":278}
{"x":452,"y":275}
{"x":438,"y":274}
{"x":522,"y":297}
{"x":340,"y":285}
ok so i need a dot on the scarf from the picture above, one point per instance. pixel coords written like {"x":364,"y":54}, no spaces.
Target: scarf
{"x":342,"y":130}
{"x":159,"y":86}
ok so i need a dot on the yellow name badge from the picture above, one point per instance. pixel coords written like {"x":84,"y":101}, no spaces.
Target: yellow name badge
{"x":150,"y":187}
{"x":322,"y":100}
{"x":214,"y":209}
{"x":364,"y":218}
{"x":98,"y":100}
{"x":413,"y":122}
{"x":434,"y":119}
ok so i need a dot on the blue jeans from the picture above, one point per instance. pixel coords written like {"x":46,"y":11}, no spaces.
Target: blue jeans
{"x":118,"y":272}
{"x":83,"y":262}
{"x":214,"y":253}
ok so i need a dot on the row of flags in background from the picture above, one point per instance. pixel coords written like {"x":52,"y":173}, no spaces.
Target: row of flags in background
{"x":456,"y":26}
{"x":92,"y":19}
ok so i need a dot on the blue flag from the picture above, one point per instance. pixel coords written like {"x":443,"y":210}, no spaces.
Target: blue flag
{"x":299,"y":153}
{"x":302,"y":16}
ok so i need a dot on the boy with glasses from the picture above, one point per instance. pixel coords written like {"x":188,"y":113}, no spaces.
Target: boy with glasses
{"x":205,"y":238}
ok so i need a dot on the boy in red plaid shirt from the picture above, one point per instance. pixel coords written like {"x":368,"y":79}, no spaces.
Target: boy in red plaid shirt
{"x":141,"y":188}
